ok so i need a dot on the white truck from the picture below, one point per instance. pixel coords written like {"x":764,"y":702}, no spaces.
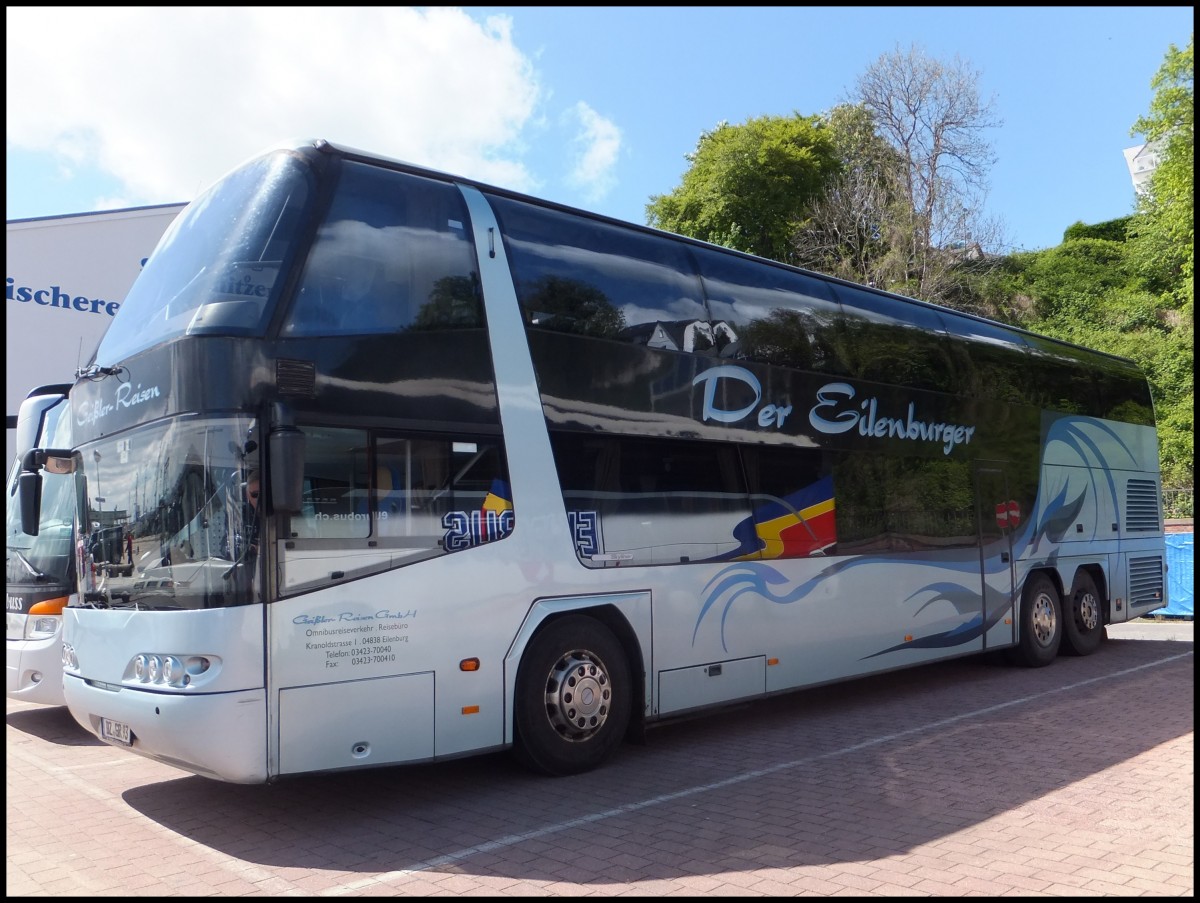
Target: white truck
{"x":65,"y":278}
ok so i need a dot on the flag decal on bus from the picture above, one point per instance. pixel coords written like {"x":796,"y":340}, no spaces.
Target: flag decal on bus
{"x":796,"y":526}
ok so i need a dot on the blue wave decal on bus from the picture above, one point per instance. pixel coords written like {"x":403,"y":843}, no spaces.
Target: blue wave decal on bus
{"x":736,"y":581}
{"x":1079,"y":446}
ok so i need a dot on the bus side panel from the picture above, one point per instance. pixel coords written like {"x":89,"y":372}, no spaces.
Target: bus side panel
{"x":819,"y":619}
{"x":1085,"y":487}
{"x":1098,"y":503}
{"x":389,"y":649}
{"x":387,"y":719}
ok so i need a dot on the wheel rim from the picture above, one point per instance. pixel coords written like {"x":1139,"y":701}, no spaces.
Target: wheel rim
{"x":1087,"y":610}
{"x":578,"y":695}
{"x":1042,"y":619}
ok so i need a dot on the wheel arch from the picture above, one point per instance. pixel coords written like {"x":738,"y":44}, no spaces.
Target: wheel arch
{"x":1100,"y":579}
{"x":1049,"y":571}
{"x":626,"y":615}
{"x":1055,"y":572}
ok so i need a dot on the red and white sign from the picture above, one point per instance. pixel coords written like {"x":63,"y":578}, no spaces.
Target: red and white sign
{"x":1014,"y":514}
{"x":1008,"y":515}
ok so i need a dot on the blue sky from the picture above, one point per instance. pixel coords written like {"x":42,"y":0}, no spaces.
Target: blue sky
{"x":590,"y":106}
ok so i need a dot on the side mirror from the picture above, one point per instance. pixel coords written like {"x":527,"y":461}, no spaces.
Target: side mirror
{"x":286,"y":449}
{"x":29,"y":483}
{"x":29,"y":487}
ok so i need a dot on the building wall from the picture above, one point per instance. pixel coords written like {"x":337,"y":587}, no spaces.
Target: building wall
{"x":65,"y":278}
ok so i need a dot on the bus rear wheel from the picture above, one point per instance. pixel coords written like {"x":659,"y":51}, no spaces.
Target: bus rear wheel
{"x":1041,"y":627}
{"x":573,"y":697}
{"x":1083,"y":620}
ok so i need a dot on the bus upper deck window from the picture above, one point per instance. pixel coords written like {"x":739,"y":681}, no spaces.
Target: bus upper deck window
{"x":391,"y":255}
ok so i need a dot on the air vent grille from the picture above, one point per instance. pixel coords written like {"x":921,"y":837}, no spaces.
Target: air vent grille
{"x":296,"y":377}
{"x":1145,"y":581}
{"x":1142,"y":507}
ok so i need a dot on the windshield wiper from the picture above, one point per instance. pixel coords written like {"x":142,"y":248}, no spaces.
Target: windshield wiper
{"x":38,"y":576}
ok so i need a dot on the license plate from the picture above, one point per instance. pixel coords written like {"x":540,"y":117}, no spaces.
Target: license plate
{"x":116,"y":731}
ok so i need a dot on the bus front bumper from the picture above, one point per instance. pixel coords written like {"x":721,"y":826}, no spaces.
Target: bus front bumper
{"x":33,"y":670}
{"x":221,"y":735}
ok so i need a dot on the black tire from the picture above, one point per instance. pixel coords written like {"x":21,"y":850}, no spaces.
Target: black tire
{"x":573,"y":697}
{"x":1040,"y":625}
{"x":1083,"y":617}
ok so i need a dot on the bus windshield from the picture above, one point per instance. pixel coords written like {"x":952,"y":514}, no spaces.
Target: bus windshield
{"x":169,"y":523}
{"x":46,"y":557}
{"x":216,"y":269}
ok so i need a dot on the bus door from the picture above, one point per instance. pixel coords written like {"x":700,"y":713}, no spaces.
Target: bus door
{"x":998,"y":516}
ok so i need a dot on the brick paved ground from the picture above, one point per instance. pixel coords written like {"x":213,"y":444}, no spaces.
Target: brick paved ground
{"x":963,"y":779}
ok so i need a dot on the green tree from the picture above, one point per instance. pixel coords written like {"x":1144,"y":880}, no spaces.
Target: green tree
{"x":1163,"y":243}
{"x":847,"y":228}
{"x":749,"y":185}
{"x":1164,"y":228}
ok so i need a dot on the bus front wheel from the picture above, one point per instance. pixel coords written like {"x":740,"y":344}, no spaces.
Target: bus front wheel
{"x":1083,"y":618}
{"x":1041,"y":623}
{"x":573,"y":697}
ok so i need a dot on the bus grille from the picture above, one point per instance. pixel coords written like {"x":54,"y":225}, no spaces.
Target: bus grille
{"x":1145,"y":581}
{"x":1141,"y":506}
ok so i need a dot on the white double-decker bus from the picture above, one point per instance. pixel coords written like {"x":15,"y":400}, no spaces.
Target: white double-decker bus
{"x":535,"y":479}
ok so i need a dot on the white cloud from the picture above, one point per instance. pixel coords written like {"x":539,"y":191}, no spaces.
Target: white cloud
{"x":167,"y":100}
{"x":598,"y":145}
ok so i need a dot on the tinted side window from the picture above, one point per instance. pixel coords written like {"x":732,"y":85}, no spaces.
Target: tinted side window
{"x":443,"y":493}
{"x":771,"y":315}
{"x":891,"y":504}
{"x":586,"y":277}
{"x":374,"y":501}
{"x":792,"y":494}
{"x":646,"y":501}
{"x":1064,"y":378}
{"x":893,"y":341}
{"x":1124,"y":393}
{"x":394,"y":253}
{"x":992,"y":361}
{"x":335,"y":486}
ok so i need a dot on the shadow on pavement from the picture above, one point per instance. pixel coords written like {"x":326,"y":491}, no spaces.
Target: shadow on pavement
{"x":53,"y":724}
{"x":865,"y":769}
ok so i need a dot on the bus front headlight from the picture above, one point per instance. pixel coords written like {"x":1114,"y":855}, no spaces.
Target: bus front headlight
{"x":168,"y":669}
{"x":41,"y":628}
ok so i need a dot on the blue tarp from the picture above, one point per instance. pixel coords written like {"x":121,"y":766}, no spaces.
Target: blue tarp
{"x":1181,"y":577}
